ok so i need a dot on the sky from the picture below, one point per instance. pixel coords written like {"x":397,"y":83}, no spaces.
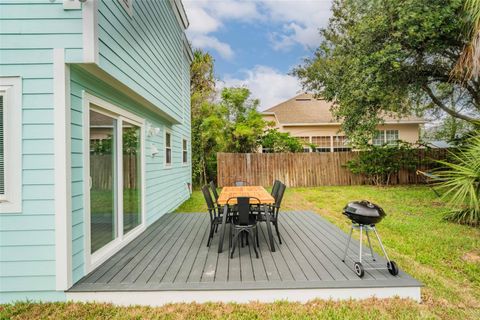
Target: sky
{"x":256,"y":43}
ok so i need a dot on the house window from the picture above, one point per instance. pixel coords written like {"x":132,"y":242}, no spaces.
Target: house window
{"x":379,"y":138}
{"x":382,"y":137}
{"x":340,"y":144}
{"x":11,"y":140}
{"x":127,"y":5}
{"x":184,"y":151}
{"x":391,"y":136}
{"x":322,"y":143}
{"x":168,"y":148}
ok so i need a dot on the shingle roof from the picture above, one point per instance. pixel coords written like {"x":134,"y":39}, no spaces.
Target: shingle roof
{"x":306,"y":109}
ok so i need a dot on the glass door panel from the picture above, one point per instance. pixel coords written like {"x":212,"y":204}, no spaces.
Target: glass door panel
{"x":103,"y":208}
{"x":132,"y":193}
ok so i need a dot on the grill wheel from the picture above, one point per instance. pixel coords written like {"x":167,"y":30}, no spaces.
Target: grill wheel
{"x":392,"y":268}
{"x":358,"y":267}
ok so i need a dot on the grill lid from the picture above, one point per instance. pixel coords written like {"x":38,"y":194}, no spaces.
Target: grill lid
{"x":364,"y":212}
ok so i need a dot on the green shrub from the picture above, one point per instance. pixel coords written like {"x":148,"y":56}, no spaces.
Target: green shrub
{"x":460,"y":179}
{"x":378,"y":163}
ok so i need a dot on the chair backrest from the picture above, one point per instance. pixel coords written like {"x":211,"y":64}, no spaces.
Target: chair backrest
{"x":275,"y":187}
{"x":214,"y":190}
{"x":208,"y":199}
{"x":243,"y":208}
{"x":279,"y":198}
{"x":240,"y":184}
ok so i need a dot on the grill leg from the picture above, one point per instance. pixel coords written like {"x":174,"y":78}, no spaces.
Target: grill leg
{"x":361,"y":236}
{"x":381,"y":244}
{"x":348,"y":244}
{"x":369,"y":244}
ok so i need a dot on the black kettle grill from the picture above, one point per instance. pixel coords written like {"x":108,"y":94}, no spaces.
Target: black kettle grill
{"x":364,"y":216}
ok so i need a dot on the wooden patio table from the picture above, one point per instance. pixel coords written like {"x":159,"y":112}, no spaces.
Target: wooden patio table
{"x":244,"y":191}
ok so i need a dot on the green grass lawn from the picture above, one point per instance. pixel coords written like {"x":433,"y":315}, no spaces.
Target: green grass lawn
{"x":443,"y":256}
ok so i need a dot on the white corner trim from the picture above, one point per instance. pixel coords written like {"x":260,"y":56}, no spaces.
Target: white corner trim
{"x":90,"y":32}
{"x":62,"y":161}
{"x":71,"y":5}
{"x":159,"y":298}
{"x":11,"y":88}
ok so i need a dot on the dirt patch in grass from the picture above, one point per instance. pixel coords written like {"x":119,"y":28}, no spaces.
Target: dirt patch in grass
{"x":472,"y":256}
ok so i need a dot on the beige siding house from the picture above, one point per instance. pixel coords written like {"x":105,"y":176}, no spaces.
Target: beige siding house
{"x":310,"y":120}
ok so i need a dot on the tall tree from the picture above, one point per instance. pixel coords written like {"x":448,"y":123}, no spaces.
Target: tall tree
{"x":245,"y":125}
{"x":207,"y":119}
{"x":388,"y":56}
{"x":468,"y":65}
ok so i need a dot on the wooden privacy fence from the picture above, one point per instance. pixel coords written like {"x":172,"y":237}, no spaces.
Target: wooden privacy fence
{"x":102,"y":174}
{"x":307,"y":169}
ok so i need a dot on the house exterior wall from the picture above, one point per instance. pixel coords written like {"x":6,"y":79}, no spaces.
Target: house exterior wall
{"x":144,"y":50}
{"x":152,"y":62}
{"x":29,"y":30}
{"x":409,"y":132}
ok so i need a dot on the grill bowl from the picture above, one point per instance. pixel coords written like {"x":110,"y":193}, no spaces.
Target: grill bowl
{"x":364,"y":212}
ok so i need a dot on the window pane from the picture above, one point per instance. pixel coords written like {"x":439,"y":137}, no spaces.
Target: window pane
{"x":321,"y":141}
{"x":379,"y":138}
{"x":103,"y":222}
{"x":168,"y":155}
{"x":392,"y":136}
{"x":132,"y":168}
{"x":168,"y":140}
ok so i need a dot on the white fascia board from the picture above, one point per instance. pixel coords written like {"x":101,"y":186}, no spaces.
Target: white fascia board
{"x":180,"y":14}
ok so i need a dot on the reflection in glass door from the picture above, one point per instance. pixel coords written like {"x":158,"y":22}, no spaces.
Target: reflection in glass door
{"x":103,"y":166}
{"x":131,"y":176}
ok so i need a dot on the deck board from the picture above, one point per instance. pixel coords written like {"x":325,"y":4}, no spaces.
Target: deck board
{"x":172,"y":255}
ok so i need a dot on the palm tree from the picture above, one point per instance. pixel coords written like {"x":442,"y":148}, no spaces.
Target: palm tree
{"x":468,"y":65}
{"x":460,"y":179}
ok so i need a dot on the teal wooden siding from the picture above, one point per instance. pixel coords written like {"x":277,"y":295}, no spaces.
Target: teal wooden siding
{"x":29,"y":30}
{"x":146,"y":53}
{"x":165,"y":187}
{"x":144,"y":50}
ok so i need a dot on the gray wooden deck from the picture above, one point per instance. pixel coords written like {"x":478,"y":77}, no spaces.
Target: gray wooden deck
{"x":172,"y":255}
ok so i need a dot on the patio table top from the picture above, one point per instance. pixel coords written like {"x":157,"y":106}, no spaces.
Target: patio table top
{"x":245,"y":191}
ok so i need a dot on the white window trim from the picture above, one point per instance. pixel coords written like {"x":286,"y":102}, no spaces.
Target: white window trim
{"x":128,"y":7}
{"x":185,"y":162}
{"x":93,"y":260}
{"x":11,"y":201}
{"x":167,"y":165}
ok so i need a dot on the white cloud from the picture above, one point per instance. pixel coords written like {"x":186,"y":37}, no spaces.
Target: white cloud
{"x":207,"y":17}
{"x":209,"y":42}
{"x":266,"y":84}
{"x":301,"y":20}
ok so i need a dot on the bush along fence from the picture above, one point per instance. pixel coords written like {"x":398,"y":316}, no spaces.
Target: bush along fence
{"x":315,"y":169}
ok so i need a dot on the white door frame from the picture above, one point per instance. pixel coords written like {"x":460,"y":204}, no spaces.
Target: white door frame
{"x":92,"y":261}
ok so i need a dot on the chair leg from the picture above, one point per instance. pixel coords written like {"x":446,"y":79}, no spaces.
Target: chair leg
{"x":234,"y":244}
{"x":216,"y":228}
{"x":230,"y":236}
{"x":241,"y":237}
{"x":210,"y":235}
{"x":256,"y":237}
{"x":246,"y":238}
{"x":253,"y":244}
{"x":278,"y":233}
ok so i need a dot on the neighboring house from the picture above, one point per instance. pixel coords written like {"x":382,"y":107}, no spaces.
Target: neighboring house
{"x":311,"y":120}
{"x":94,"y":134}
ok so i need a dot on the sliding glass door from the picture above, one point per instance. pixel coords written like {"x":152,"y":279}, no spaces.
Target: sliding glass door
{"x":103,"y":180}
{"x":115,"y":177}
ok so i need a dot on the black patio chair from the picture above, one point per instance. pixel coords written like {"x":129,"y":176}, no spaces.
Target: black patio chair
{"x":214,"y":190}
{"x":243,"y":222}
{"x":273,"y":210}
{"x":276,"y":185}
{"x":214,"y":211}
{"x":240,"y":184}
